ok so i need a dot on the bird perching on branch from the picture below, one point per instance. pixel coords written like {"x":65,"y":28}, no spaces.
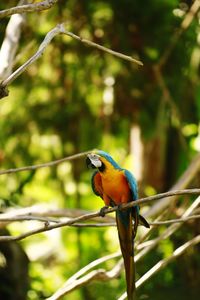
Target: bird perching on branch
{"x":116,"y":186}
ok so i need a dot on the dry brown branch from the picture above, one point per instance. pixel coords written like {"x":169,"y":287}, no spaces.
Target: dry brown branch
{"x":49,"y":164}
{"x":48,"y":226}
{"x":44,"y":211}
{"x":10,"y":44}
{"x":102,"y":48}
{"x":71,"y":283}
{"x":7,"y":220}
{"x":27,"y":218}
{"x":59,"y":29}
{"x":27,"y":8}
{"x":164,"y":262}
{"x":169,"y":231}
{"x":184,"y":25}
{"x":179,"y":220}
{"x":182,"y":183}
{"x":99,"y":274}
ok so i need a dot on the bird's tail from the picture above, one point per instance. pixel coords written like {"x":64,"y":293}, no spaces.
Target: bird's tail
{"x":126,"y":239}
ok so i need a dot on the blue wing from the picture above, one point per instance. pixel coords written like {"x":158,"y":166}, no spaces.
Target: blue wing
{"x":133,"y":185}
{"x":134,"y":190}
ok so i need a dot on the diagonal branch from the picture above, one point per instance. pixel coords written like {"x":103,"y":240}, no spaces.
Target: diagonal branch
{"x":99,"y":274}
{"x":27,"y":8}
{"x":49,"y":164}
{"x":182,"y":183}
{"x":72,"y":282}
{"x":184,"y":25}
{"x":59,"y":29}
{"x":164,"y":262}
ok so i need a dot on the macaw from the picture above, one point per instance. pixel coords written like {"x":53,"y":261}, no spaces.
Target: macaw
{"x":116,"y":186}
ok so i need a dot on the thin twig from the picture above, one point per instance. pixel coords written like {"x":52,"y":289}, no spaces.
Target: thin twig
{"x":92,"y":44}
{"x":48,"y":227}
{"x":28,"y":218}
{"x":179,"y":220}
{"x":27,"y":8}
{"x":89,"y":225}
{"x":48,"y":164}
{"x":184,"y":25}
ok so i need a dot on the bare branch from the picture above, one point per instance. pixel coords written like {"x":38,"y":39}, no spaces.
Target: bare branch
{"x":27,"y":8}
{"x":100,"y":274}
{"x":184,"y":25}
{"x":182,"y":183}
{"x":164,"y":262}
{"x":59,"y":29}
{"x":49,"y":164}
{"x":48,"y":227}
{"x":169,"y":231}
{"x":71,"y":282}
{"x":28,"y":218}
{"x":48,"y":38}
{"x":180,"y":220}
{"x":92,"y":44}
{"x":10,"y":44}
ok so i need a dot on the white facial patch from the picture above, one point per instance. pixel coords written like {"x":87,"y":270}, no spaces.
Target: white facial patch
{"x":95,"y":160}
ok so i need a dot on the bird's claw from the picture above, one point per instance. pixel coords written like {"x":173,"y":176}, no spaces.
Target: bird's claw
{"x":103,"y":210}
{"x":119,"y":206}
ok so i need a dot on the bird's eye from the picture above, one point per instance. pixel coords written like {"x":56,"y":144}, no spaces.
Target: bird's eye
{"x":95,"y":156}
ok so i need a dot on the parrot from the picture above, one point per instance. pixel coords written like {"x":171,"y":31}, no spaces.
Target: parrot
{"x":116,"y":186}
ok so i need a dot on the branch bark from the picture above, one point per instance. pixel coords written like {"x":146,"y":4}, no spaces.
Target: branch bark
{"x":182,"y":183}
{"x":27,"y":8}
{"x":163,"y":263}
{"x":48,"y":226}
{"x":59,"y":29}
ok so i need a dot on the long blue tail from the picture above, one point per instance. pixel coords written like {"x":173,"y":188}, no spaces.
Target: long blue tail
{"x":126,"y":239}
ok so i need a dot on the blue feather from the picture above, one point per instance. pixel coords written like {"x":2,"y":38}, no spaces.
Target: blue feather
{"x":133,"y":186}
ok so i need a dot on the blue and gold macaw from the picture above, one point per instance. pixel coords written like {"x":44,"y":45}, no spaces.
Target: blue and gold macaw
{"x":116,"y":186}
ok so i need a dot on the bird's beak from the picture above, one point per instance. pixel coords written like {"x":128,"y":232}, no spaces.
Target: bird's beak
{"x":93,"y":161}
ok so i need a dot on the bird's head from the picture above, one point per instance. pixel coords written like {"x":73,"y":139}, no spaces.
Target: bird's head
{"x":100,"y":160}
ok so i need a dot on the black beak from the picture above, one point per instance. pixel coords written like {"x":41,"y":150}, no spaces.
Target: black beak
{"x":89,"y":164}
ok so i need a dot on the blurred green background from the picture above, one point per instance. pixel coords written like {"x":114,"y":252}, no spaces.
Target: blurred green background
{"x":76,"y":98}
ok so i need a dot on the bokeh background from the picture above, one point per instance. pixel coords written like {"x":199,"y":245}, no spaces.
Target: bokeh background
{"x":76,"y":98}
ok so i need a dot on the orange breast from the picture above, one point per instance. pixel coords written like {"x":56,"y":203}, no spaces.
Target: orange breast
{"x":116,"y":187}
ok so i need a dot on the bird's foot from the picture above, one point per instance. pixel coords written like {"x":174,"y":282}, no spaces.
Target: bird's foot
{"x":102,"y":211}
{"x":119,"y":206}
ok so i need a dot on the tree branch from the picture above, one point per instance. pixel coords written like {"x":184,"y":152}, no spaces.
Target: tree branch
{"x":49,"y":164}
{"x":48,"y":226}
{"x":175,"y":37}
{"x":72,"y":281}
{"x":59,"y":29}
{"x":99,"y":274}
{"x":7,"y":220}
{"x":10,"y":45}
{"x":182,"y":183}
{"x":163,"y":263}
{"x":27,"y":8}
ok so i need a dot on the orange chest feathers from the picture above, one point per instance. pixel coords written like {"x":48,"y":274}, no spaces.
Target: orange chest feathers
{"x":115,"y":186}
